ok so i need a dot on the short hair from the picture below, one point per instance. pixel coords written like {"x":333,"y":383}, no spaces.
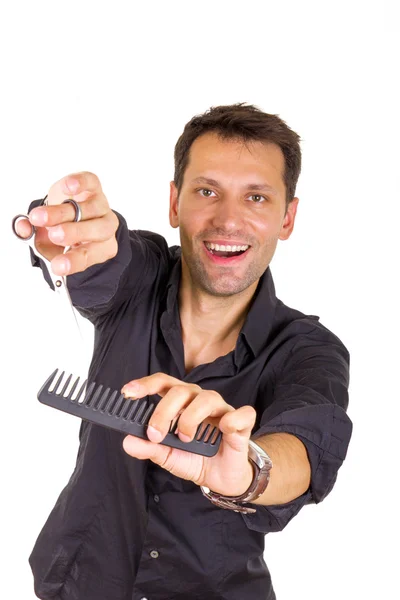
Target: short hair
{"x":245,"y":122}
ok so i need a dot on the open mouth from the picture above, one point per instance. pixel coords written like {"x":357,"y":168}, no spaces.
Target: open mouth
{"x":227,"y":251}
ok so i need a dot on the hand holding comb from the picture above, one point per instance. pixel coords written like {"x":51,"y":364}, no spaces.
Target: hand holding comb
{"x":109,"y":408}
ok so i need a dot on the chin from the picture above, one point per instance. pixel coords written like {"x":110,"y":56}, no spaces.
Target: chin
{"x":225,"y":286}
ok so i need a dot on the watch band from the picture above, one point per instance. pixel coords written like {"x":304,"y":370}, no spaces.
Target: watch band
{"x":262,"y":465}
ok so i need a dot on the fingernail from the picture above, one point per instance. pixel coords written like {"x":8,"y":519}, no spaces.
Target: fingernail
{"x":131,"y":390}
{"x":153,"y":434}
{"x":38,"y":216}
{"x":183,"y":437}
{"x":56,"y":234}
{"x":63,"y":266}
{"x":72,"y":185}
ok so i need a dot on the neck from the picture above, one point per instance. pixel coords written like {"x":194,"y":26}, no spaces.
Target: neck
{"x":212,"y":320}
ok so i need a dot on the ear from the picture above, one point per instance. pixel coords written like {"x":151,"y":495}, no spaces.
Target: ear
{"x":173,"y":205}
{"x":288,"y":221}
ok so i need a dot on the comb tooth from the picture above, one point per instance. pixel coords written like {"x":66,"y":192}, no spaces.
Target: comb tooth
{"x":81,"y":391}
{"x":140,"y":411}
{"x":73,"y":389}
{"x":131,"y":410}
{"x":108,"y":406}
{"x":66,"y":384}
{"x":203,"y":435}
{"x":217,"y":439}
{"x":137,"y":410}
{"x":198,"y":431}
{"x":144,"y":420}
{"x":59,"y":380}
{"x":103,"y":399}
{"x":118,"y":404}
{"x":89,"y":392}
{"x":133,"y":407}
{"x":49,"y":381}
{"x":214,"y":430}
{"x":174,"y":426}
{"x":92,"y":401}
{"x":124,"y":408}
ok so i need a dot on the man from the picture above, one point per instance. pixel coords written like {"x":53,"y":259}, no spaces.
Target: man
{"x":200,"y":328}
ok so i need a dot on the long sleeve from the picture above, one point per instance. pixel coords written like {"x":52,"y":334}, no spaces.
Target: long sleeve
{"x":104,"y":287}
{"x":310,"y":400}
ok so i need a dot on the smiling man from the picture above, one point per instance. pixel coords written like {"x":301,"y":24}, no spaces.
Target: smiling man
{"x":199,"y":328}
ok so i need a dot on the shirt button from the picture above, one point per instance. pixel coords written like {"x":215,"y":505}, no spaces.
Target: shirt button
{"x":154,"y":554}
{"x":156,"y":498}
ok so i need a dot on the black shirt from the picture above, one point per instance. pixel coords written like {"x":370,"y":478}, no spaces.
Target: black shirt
{"x":125,"y":529}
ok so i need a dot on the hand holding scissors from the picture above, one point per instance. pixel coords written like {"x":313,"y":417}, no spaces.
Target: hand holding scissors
{"x":71,"y":234}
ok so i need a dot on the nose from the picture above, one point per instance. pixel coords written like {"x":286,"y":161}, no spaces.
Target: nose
{"x":227,"y":215}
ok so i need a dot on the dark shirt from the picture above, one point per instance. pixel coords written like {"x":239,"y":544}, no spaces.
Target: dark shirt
{"x":125,"y":529}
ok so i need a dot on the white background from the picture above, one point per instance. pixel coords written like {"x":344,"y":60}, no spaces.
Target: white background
{"x":108,"y":87}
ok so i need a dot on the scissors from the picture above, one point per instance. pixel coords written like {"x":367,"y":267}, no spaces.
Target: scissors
{"x":59,"y":281}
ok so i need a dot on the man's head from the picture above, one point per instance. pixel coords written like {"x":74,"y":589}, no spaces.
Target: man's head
{"x":236,"y":170}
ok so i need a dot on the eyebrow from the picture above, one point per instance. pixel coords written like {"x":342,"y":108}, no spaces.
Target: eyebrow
{"x":259,"y":187}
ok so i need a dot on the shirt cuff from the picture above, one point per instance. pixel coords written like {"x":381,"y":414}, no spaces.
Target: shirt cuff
{"x":325,"y":431}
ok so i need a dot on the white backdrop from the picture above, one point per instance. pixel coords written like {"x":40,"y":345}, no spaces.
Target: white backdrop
{"x":108,"y":87}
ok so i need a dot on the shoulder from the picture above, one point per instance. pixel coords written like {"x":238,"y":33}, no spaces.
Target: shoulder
{"x":307,"y":339}
{"x":156,"y":240}
{"x":156,"y":244}
{"x":303,"y":324}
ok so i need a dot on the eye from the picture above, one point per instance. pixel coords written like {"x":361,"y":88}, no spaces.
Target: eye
{"x":258,"y":198}
{"x":207,"y":194}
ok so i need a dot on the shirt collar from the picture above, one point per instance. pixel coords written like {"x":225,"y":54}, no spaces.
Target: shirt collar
{"x":258,"y":324}
{"x":260,"y":318}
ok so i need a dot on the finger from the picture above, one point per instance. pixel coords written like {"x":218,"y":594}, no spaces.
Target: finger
{"x":168,"y":408}
{"x":23,"y":228}
{"x":44,"y":246}
{"x":93,"y":230}
{"x":237,"y":426}
{"x":48,"y":216}
{"x":207,"y":404}
{"x":158,"y":383}
{"x":80,"y":258}
{"x":144,"y":449}
{"x":83,"y":182}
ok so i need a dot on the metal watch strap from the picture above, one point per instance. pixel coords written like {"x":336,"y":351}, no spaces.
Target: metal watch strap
{"x":262,"y":465}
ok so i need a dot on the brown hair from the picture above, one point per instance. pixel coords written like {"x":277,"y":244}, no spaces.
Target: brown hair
{"x":246,"y":123}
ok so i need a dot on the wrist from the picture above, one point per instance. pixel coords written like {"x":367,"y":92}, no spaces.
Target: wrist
{"x":262,"y":465}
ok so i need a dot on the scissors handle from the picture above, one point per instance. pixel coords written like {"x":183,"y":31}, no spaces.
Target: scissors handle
{"x":15,"y":220}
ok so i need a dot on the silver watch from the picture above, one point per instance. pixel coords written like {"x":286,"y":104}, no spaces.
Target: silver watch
{"x":262,"y":465}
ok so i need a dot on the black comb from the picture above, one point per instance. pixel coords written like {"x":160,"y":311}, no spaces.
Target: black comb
{"x":111,"y":409}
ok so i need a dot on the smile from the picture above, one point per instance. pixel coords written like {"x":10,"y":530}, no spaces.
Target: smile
{"x":224,"y":253}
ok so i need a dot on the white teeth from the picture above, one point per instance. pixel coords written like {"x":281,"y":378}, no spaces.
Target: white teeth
{"x":222,"y":248}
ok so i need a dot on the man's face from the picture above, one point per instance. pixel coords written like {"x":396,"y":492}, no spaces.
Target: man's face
{"x":230,"y":212}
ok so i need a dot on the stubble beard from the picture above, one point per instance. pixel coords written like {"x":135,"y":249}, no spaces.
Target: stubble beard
{"x":226,"y":284}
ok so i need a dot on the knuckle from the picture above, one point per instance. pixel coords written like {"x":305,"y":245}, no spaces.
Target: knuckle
{"x":87,"y":175}
{"x":159,"y":377}
{"x":210,"y":396}
{"x":252,"y":412}
{"x":180,"y":388}
{"x":196,"y":388}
